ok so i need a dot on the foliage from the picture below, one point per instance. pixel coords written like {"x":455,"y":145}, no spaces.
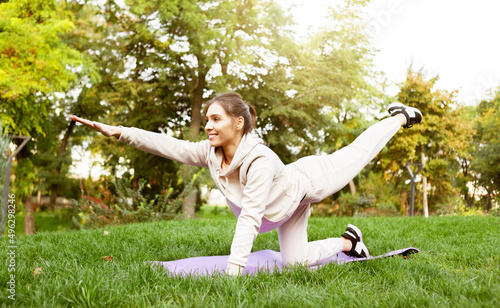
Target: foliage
{"x":375,"y":197}
{"x":346,"y":204}
{"x":250,"y":51}
{"x":126,"y":205}
{"x":25,"y":181}
{"x":214,"y":211}
{"x":457,"y":206}
{"x":478,"y":181}
{"x":34,"y":62}
{"x":58,"y":221}
{"x":310,"y":101}
{"x":386,"y":200}
{"x":442,"y":137}
{"x":486,"y":163}
{"x":157,"y":62}
{"x":152,"y":64}
{"x":496,"y":211}
{"x":61,"y":220}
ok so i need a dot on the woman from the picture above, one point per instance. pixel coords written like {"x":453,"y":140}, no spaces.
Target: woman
{"x":260,"y":190}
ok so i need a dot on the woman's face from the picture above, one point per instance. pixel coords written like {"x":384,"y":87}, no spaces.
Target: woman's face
{"x":222,"y":129}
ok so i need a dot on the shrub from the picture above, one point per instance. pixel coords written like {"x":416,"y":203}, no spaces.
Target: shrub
{"x":127,"y":206}
{"x":495,"y":212}
{"x":458,"y":207}
{"x":346,"y":205}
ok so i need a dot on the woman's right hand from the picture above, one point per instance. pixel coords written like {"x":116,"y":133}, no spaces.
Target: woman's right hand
{"x":106,"y":130}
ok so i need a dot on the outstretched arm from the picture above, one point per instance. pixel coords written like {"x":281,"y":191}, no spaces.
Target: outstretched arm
{"x":191,"y":153}
{"x":106,"y":130}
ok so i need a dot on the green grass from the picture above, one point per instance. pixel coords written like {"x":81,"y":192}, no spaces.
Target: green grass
{"x":459,"y":266}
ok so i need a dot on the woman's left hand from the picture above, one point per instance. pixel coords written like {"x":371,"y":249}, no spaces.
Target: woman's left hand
{"x":233,"y":269}
{"x":106,"y":130}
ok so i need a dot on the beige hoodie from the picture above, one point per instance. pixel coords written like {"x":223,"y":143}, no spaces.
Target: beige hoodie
{"x":260,"y":191}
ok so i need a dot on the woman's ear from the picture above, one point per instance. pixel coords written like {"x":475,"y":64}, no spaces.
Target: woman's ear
{"x":240,"y":123}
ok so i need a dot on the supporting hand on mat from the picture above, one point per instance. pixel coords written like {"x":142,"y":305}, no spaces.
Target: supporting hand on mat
{"x":106,"y":130}
{"x":233,"y":269}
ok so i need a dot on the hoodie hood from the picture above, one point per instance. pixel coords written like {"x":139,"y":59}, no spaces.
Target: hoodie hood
{"x":247,"y":144}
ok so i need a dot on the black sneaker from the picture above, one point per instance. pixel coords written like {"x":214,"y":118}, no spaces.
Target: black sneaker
{"x":413,"y":115}
{"x":358,"y":248}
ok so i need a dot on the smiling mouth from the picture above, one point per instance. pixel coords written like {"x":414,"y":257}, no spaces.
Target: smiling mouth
{"x":212,"y":136}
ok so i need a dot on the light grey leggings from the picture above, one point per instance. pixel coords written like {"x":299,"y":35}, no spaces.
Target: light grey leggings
{"x":322,"y":177}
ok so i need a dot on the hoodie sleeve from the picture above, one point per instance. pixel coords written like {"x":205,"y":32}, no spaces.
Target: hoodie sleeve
{"x":255,"y":195}
{"x":191,"y":153}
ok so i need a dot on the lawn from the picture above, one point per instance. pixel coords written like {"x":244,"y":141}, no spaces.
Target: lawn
{"x":459,"y":266}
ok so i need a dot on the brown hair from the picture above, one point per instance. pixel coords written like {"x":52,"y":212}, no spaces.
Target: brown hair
{"x":235,"y":107}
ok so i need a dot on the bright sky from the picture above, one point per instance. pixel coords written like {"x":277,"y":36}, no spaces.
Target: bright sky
{"x":455,"y":39}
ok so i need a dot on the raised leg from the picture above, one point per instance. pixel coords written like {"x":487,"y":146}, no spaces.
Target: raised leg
{"x":330,"y":173}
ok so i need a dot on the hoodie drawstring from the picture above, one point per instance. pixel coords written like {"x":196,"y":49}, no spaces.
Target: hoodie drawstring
{"x":225,"y":187}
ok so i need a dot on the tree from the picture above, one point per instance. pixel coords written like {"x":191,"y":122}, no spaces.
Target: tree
{"x":157,"y":62}
{"x":35,"y":62}
{"x":179,"y":53}
{"x":185,"y":51}
{"x":310,"y":101}
{"x":93,"y":40}
{"x":316,"y":99}
{"x":467,"y":174}
{"x":487,"y":155}
{"x":441,"y":138}
{"x":221,"y":35}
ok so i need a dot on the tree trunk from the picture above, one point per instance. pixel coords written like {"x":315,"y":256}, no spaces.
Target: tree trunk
{"x":404,"y":202}
{"x":352,"y":186}
{"x":5,"y":196}
{"x":39,"y":194}
{"x":424,"y":199}
{"x":424,"y":187}
{"x":135,"y":179}
{"x":488,"y":201}
{"x":29,"y":218}
{"x":54,"y":189}
{"x":20,"y":153}
{"x":188,"y":206}
{"x":194,"y":126}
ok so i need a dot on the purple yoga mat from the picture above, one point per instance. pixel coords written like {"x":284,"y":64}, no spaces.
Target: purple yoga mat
{"x":264,"y":260}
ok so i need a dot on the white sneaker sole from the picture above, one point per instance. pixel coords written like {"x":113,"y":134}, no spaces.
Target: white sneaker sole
{"x":360,"y":244}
